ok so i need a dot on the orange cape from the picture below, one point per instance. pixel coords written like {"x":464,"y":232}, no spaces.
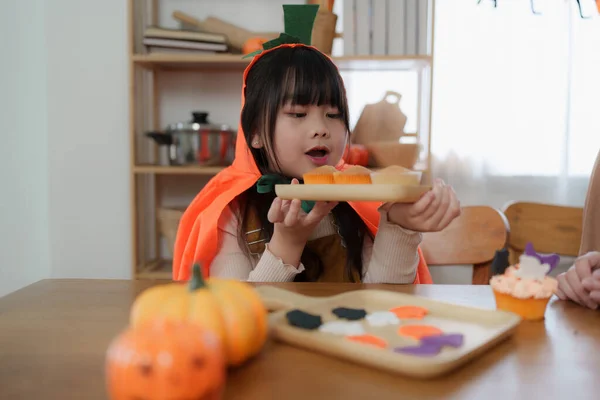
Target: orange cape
{"x":197,"y":235}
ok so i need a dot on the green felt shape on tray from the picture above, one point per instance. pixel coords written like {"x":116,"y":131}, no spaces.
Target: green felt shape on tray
{"x":351,"y":314}
{"x":304,"y":320}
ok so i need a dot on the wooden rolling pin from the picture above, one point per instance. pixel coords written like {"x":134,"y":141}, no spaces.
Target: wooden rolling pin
{"x":236,"y":36}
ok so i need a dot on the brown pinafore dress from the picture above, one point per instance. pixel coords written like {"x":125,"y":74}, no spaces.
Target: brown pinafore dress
{"x":329,"y":249}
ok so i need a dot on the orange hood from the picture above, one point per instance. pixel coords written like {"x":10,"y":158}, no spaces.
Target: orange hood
{"x":197,"y":236}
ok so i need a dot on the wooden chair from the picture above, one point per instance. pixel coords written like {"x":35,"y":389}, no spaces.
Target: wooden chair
{"x":550,"y":228}
{"x":472,"y":239}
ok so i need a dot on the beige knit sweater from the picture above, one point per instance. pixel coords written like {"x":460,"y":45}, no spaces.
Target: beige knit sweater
{"x":391,"y":258}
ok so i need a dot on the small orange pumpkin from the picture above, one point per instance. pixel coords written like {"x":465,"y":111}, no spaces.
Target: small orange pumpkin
{"x":252,"y":44}
{"x":357,"y":155}
{"x":165,"y":359}
{"x":230,"y":308}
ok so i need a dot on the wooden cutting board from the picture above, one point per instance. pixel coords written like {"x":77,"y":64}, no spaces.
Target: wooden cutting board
{"x":481,"y":329}
{"x":360,"y":192}
{"x":381,"y":121}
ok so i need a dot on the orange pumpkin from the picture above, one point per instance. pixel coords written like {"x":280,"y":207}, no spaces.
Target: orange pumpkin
{"x":231,"y":309}
{"x":252,"y":44}
{"x":357,"y":155}
{"x":165,"y":359}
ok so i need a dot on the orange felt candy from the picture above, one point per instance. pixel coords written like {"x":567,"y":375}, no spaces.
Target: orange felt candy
{"x":369,"y":339}
{"x":410,"y":312}
{"x":419,"y":331}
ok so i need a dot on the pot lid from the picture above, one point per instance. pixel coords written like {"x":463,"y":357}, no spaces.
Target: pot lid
{"x":198,"y":123}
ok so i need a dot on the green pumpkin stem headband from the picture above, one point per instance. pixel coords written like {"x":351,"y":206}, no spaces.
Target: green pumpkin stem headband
{"x":298,"y":25}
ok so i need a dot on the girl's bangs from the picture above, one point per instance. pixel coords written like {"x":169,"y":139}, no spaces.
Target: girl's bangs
{"x":312,"y":80}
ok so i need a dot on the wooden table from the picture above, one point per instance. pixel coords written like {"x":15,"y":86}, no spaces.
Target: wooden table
{"x":54,"y":333}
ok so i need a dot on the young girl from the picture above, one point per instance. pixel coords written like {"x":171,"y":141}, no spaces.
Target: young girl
{"x":295,"y":118}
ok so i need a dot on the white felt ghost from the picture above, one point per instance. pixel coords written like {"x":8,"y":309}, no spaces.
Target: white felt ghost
{"x":343,"y":328}
{"x":531,"y":267}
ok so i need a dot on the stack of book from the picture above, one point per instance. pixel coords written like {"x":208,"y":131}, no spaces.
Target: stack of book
{"x":165,"y":40}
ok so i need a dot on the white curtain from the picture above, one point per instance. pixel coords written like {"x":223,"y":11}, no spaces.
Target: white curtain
{"x":514,"y":98}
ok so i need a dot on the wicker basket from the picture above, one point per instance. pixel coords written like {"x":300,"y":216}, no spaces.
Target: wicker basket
{"x":323,"y":31}
{"x":168,"y":219}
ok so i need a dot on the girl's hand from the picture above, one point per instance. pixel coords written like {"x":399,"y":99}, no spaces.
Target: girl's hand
{"x":592,"y":285}
{"x":431,"y":213}
{"x":293,"y":227}
{"x":580,"y":281}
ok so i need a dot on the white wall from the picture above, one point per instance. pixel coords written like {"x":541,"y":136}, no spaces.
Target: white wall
{"x":65,"y":67}
{"x":24,"y":250}
{"x":88,"y":146}
{"x":64,"y":158}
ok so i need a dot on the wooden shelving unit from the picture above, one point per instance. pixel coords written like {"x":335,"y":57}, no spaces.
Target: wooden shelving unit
{"x":171,"y":62}
{"x":155,"y":269}
{"x":176,"y":170}
{"x":144,"y":115}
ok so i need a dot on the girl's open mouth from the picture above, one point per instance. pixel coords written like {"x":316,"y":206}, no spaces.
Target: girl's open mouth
{"x":318,"y":155}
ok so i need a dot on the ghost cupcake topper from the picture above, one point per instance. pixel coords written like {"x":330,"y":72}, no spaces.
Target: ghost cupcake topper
{"x":533,"y":265}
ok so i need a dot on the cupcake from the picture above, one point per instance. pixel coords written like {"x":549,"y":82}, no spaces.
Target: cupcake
{"x":321,"y":175}
{"x":525,"y":289}
{"x":396,"y":175}
{"x":353,"y":175}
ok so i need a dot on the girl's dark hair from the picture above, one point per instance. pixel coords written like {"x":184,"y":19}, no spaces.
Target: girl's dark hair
{"x":303,"y":76}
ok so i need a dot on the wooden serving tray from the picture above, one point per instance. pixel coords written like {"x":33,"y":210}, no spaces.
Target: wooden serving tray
{"x":482,"y":329}
{"x":359,"y":192}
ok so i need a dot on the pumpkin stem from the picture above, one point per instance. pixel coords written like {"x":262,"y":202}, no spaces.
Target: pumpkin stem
{"x":197,"y":281}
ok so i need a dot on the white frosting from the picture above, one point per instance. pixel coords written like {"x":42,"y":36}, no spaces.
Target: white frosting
{"x":382,"y":318}
{"x":531,"y":268}
{"x":343,"y":328}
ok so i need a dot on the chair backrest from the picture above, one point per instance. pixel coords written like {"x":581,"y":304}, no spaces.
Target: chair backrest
{"x":550,"y":228}
{"x":473,"y":238}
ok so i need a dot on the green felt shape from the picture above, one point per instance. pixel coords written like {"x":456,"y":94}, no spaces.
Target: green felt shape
{"x":304,"y":320}
{"x":266,"y":184}
{"x":282,"y":39}
{"x":299,"y":20}
{"x":351,"y":314}
{"x":254,"y":53}
{"x":298,"y":25}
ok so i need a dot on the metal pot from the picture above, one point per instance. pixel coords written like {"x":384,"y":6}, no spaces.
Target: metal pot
{"x":197,"y":142}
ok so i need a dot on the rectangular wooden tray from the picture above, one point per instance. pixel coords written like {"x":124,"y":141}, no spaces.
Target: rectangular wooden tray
{"x":359,"y":192}
{"x":482,"y":329}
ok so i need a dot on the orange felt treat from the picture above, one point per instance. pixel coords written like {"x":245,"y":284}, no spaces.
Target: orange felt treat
{"x":369,"y":339}
{"x":321,"y":175}
{"x":353,"y":175}
{"x":409,"y":312}
{"x":419,"y":331}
